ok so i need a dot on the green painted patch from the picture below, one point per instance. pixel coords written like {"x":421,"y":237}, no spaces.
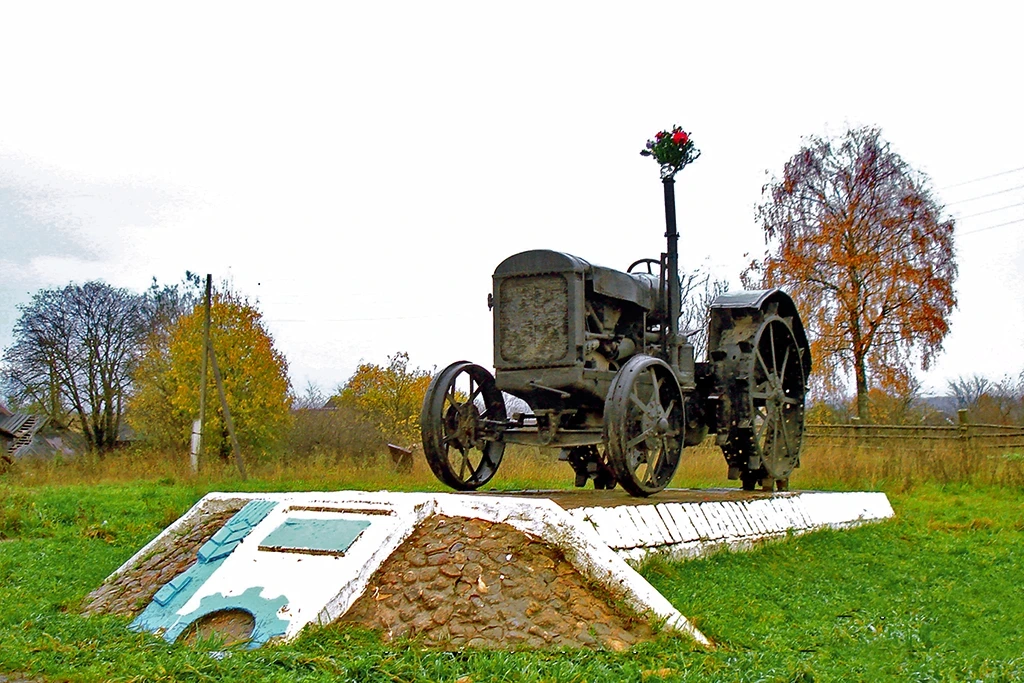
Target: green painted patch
{"x":163,"y":613}
{"x":264,"y":611}
{"x":315,"y":536}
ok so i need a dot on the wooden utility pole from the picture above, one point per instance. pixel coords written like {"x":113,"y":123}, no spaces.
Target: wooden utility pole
{"x":211,"y":357}
{"x":198,"y":447}
{"x":227,"y":416}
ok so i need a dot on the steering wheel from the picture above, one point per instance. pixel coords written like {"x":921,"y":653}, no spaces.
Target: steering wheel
{"x":651,"y":262}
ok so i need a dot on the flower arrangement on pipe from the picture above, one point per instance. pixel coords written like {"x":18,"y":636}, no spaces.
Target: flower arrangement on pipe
{"x":673,"y":150}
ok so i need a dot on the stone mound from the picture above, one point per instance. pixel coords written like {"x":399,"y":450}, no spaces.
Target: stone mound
{"x":467,"y":582}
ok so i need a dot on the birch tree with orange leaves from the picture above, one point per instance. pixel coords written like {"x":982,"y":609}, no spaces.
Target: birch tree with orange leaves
{"x":855,"y":235}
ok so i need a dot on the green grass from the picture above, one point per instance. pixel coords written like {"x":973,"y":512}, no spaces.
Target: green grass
{"x":932,"y":595}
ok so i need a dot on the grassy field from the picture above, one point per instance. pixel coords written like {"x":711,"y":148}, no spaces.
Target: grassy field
{"x":933,"y":594}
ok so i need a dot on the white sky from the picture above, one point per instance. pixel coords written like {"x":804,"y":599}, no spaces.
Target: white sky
{"x":361,"y":168}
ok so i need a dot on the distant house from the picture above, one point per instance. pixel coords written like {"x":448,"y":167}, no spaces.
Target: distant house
{"x":18,"y":432}
{"x":26,"y":436}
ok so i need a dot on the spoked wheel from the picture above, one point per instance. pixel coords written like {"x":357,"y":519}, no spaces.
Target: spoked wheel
{"x":643,"y":422}
{"x":775,"y":394}
{"x":458,"y":423}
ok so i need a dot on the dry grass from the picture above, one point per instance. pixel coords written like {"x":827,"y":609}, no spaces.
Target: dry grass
{"x":906,"y":464}
{"x":826,"y":464}
{"x":521,"y":468}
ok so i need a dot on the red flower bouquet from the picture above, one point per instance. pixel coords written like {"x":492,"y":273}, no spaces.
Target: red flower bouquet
{"x":672,"y":149}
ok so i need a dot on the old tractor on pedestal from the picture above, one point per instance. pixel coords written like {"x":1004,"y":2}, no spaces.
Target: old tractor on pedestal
{"x":597,"y":356}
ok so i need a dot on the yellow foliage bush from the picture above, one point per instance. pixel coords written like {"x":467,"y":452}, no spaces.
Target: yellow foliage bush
{"x":255,"y":375}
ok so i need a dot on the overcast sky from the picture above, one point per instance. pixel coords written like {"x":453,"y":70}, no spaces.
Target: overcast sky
{"x":361,"y":168}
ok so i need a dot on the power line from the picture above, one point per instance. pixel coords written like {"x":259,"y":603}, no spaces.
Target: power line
{"x":351,"y":320}
{"x":990,"y":194}
{"x":992,"y":227}
{"x":982,"y":213}
{"x":975,"y":180}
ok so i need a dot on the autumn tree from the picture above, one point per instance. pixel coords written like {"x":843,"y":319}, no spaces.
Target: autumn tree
{"x":73,"y":356}
{"x":856,"y":237}
{"x":255,"y":375}
{"x":392,"y":396}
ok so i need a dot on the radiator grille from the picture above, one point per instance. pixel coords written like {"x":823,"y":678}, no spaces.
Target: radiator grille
{"x":533,"y":319}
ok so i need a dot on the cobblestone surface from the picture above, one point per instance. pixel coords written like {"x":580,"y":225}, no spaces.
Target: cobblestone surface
{"x":130,"y":592}
{"x":459,"y":582}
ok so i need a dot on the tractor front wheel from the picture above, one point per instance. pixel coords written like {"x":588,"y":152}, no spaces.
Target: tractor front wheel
{"x":459,"y":423}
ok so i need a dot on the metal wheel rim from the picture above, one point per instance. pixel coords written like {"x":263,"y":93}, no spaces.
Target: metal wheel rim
{"x":777,"y":398}
{"x":460,"y":450}
{"x":644,"y":418}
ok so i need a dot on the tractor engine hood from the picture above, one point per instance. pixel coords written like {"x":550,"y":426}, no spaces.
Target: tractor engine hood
{"x":641,"y":289}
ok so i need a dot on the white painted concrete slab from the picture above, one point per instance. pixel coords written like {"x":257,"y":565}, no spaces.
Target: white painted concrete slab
{"x":694,"y":529}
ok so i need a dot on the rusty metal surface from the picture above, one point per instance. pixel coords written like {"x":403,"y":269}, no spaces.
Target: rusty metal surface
{"x":539,"y":261}
{"x":761,"y":300}
{"x":533,"y":320}
{"x":577,"y":498}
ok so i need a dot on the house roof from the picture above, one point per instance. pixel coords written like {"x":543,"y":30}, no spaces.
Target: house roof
{"x":12,"y":423}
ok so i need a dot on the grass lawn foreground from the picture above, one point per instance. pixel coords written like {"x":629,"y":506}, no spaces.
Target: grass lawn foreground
{"x":934,"y":594}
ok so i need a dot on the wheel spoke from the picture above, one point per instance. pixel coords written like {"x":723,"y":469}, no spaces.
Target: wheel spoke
{"x":668,"y":409}
{"x":639,"y":403}
{"x":652,"y":468}
{"x":759,"y":431}
{"x":775,"y":364}
{"x":451,"y":397}
{"x":790,"y":401}
{"x":785,"y":361}
{"x":764,"y":366}
{"x":775,"y":438}
{"x":639,"y":437}
{"x":465,"y":462}
{"x":759,"y":394}
{"x":656,"y":397}
{"x":785,"y":438}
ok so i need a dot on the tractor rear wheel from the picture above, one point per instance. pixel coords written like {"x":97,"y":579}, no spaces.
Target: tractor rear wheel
{"x":768,"y":399}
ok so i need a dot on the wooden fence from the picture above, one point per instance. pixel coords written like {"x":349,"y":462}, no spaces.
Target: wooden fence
{"x":1001,"y":437}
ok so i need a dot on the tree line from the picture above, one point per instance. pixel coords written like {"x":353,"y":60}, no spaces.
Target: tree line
{"x":96,"y":358}
{"x":92,"y":357}
{"x":852,"y":231}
